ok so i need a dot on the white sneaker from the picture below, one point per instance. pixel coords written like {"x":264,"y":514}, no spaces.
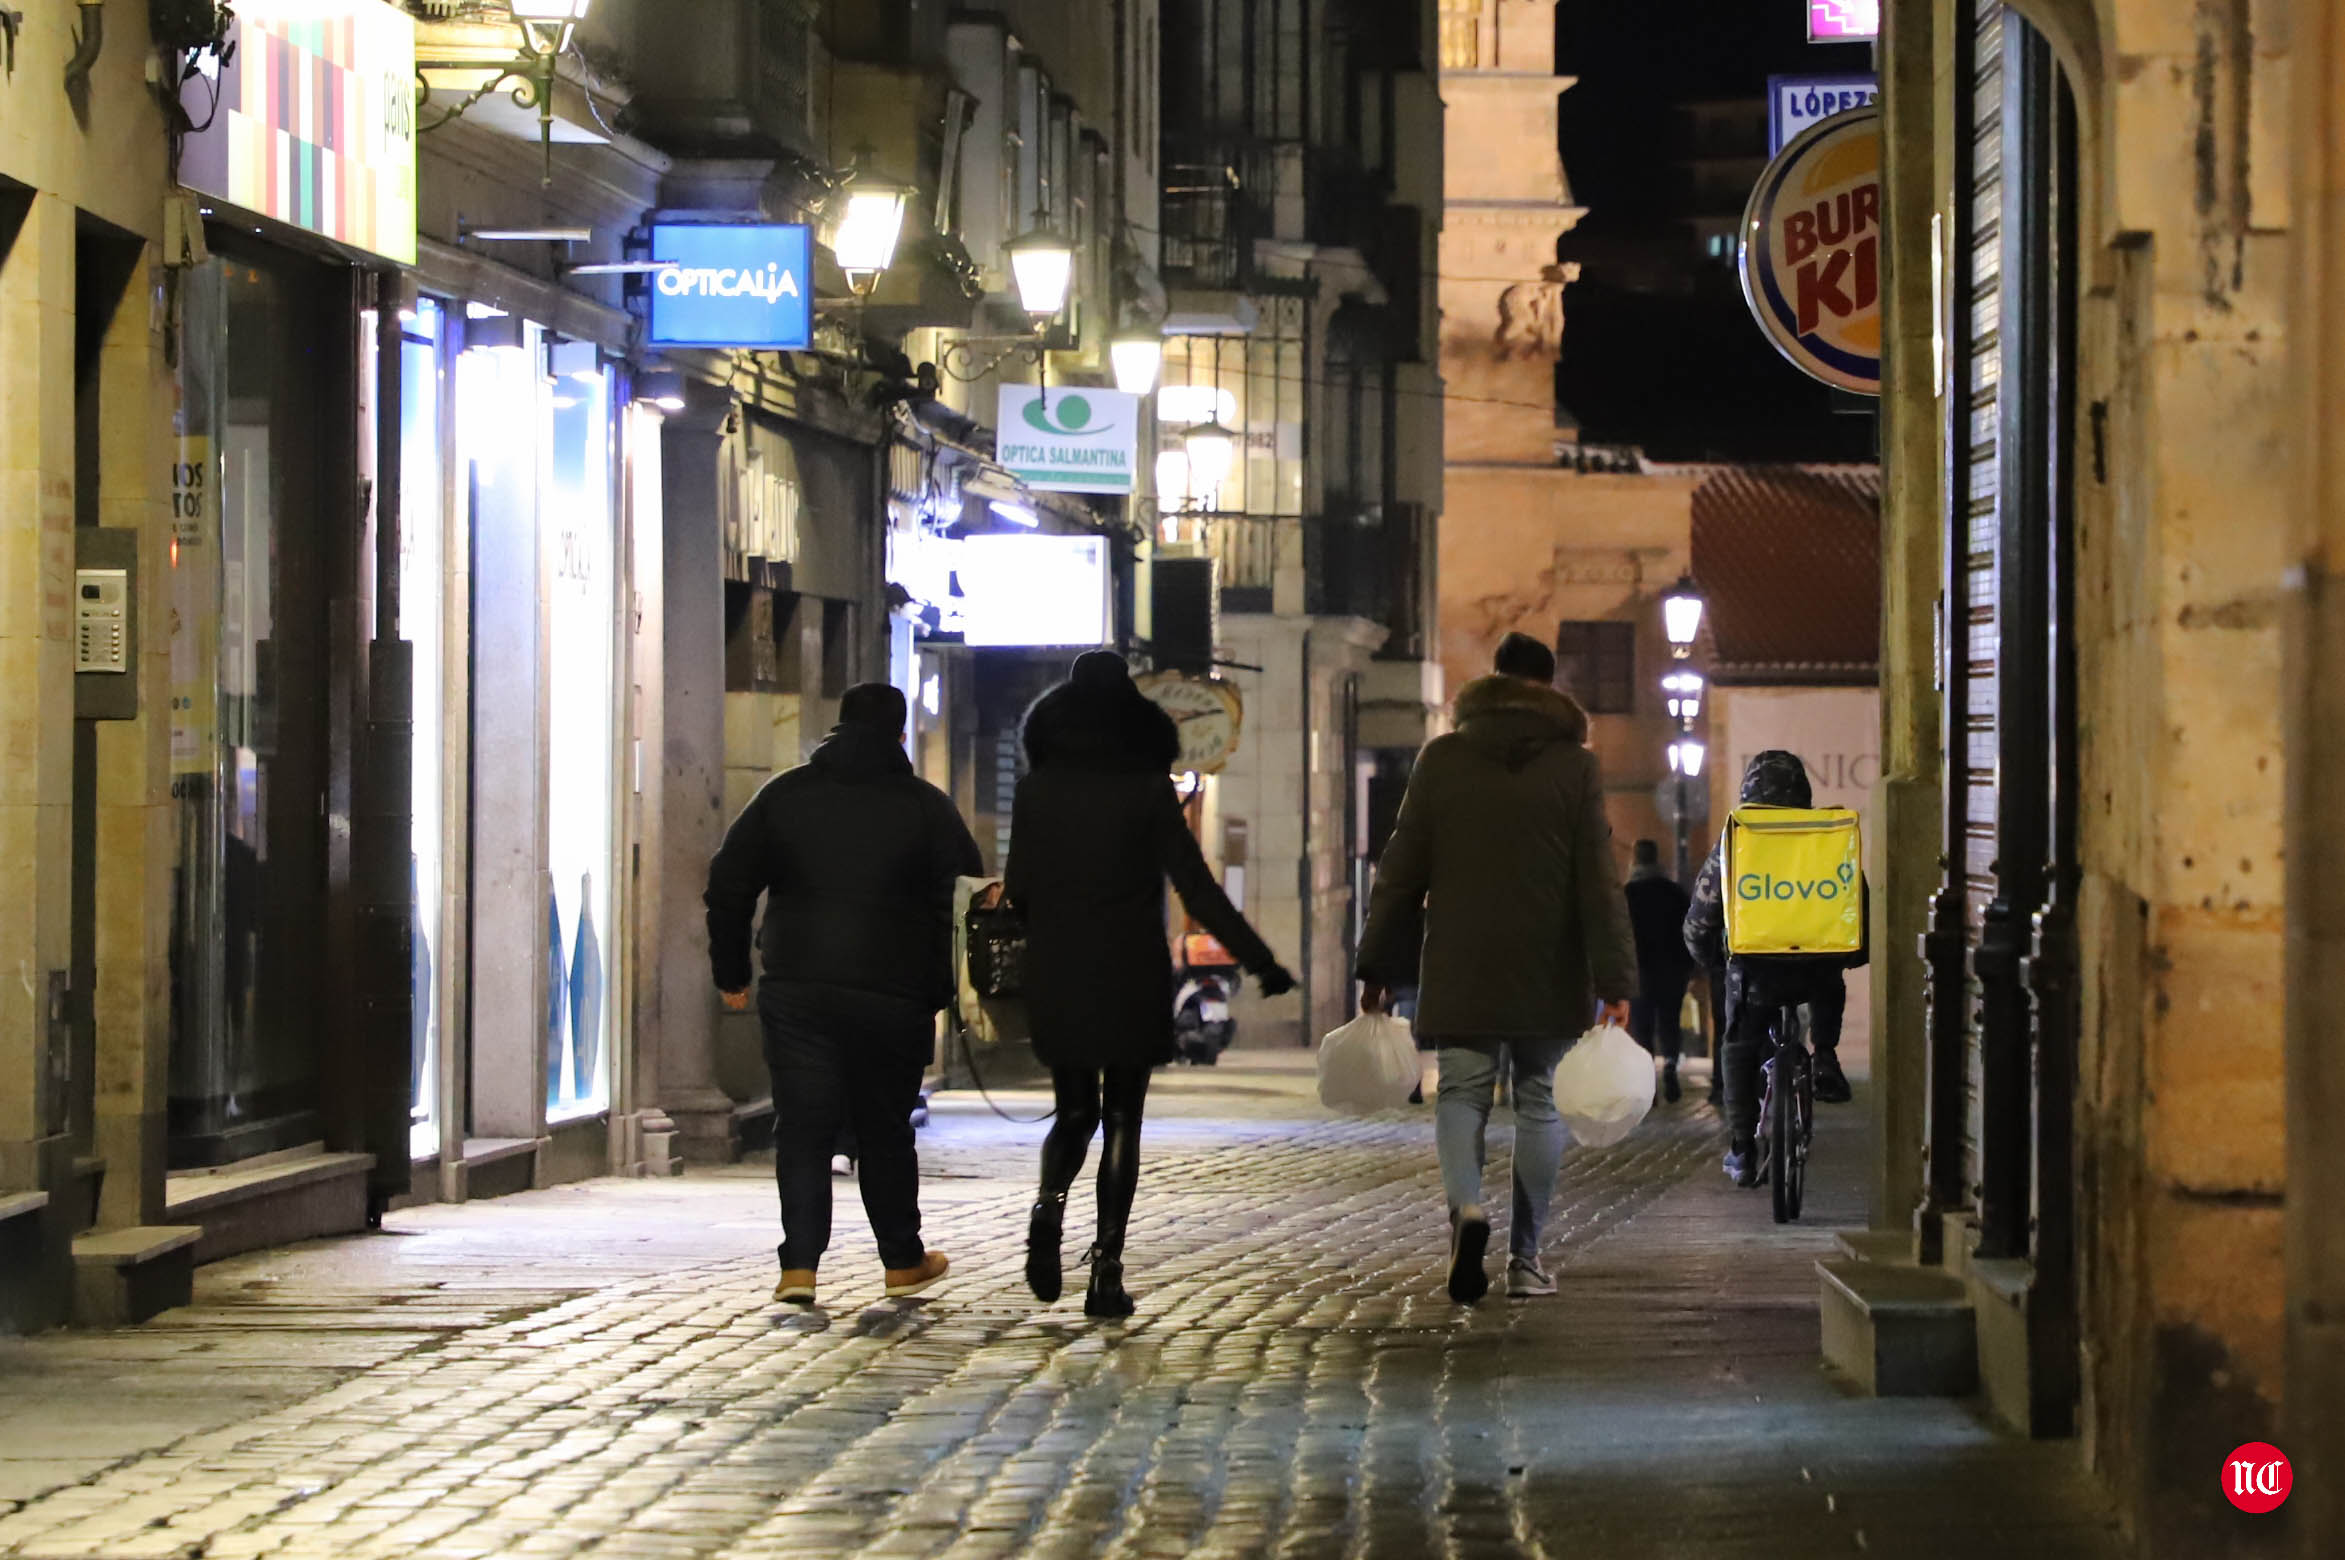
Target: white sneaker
{"x":1525,"y":1277}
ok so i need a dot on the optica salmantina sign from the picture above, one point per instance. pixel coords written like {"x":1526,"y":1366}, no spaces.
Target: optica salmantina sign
{"x":732,"y":285}
{"x":1811,"y":251}
{"x":1069,"y":441}
{"x":312,"y":121}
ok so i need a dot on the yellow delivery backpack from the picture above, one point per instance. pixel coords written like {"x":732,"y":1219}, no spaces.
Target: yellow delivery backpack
{"x":1794,"y":883}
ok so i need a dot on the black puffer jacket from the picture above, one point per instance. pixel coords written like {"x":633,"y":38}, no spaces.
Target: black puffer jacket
{"x":1095,"y":832}
{"x":856,"y":856}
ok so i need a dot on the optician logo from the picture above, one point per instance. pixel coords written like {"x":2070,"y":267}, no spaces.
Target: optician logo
{"x":1067,"y":414}
{"x":1765,"y":885}
{"x":2257,"y":1478}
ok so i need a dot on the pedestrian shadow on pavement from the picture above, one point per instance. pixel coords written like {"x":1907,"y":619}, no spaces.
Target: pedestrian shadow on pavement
{"x":892,"y":1319}
{"x":802,"y":1319}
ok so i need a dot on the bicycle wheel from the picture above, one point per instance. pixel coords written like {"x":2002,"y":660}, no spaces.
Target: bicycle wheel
{"x":1803,"y":1113}
{"x":1783,"y":1134}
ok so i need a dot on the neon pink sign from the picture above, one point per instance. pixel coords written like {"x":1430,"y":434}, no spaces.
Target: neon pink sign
{"x":1843,"y":21}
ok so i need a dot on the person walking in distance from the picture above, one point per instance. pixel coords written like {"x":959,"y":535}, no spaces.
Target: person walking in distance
{"x":1094,"y":833}
{"x":856,"y":856}
{"x":1502,"y":843}
{"x":1656,"y":913}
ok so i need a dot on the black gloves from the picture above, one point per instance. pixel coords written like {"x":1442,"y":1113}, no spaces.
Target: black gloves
{"x":1275,"y":981}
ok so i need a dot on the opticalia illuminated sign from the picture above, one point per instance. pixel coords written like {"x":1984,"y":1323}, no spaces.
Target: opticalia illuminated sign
{"x":1843,"y":21}
{"x":727,"y":285}
{"x":1811,"y":252}
{"x":1799,"y":103}
{"x":311,"y":121}
{"x":1069,"y":441}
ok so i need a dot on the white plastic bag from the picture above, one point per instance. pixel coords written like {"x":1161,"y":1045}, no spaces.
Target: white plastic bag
{"x":1369,"y":1064}
{"x":1604,"y":1086}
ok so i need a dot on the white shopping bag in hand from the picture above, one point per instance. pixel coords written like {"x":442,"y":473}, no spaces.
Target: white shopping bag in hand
{"x":1369,"y":1064}
{"x":1604,"y":1086}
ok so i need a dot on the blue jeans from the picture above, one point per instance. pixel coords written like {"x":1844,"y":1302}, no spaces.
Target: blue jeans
{"x":1469,"y":1074}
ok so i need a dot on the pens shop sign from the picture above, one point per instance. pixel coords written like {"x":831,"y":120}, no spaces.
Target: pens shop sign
{"x":1810,"y":252}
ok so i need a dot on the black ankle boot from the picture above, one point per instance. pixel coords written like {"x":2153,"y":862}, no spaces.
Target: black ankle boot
{"x":1106,"y":1297}
{"x":1043,"y":1233}
{"x":1669,"y":1088}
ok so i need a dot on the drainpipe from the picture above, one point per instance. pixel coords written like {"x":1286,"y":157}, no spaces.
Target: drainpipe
{"x":86,"y":44}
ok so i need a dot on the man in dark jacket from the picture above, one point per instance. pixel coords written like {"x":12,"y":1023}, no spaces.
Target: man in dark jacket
{"x":1656,"y":912}
{"x":856,"y":857}
{"x":1774,"y":778}
{"x":1502,"y":844}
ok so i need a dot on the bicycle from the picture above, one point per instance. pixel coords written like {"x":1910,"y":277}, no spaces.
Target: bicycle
{"x":1787,"y":1111}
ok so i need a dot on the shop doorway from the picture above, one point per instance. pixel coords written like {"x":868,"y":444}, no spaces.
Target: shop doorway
{"x":266,"y":391}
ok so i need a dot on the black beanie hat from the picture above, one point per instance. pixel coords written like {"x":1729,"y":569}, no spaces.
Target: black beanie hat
{"x":1101,"y":669}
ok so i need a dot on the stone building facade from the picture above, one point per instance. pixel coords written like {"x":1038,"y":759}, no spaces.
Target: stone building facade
{"x":2110,"y":658}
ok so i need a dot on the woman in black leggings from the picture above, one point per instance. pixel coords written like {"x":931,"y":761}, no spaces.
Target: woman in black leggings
{"x":1095,"y":832}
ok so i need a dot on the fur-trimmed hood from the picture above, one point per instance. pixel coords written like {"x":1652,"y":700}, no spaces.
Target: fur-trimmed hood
{"x":1106,"y":728}
{"x":1513,"y":720}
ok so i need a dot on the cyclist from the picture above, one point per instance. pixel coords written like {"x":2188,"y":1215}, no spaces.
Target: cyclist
{"x":1757,"y":986}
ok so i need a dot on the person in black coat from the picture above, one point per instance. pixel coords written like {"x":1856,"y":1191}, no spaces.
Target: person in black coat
{"x":1657,"y":906}
{"x":1094,"y":833}
{"x":856,"y":856}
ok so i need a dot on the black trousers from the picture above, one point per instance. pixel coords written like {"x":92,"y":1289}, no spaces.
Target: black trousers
{"x":1656,"y":1016}
{"x":1746,"y":1046}
{"x":1090,"y":1099}
{"x":845,"y":1059}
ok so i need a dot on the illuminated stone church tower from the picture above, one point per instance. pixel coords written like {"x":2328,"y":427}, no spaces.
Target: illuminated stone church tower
{"x":1506,"y":204}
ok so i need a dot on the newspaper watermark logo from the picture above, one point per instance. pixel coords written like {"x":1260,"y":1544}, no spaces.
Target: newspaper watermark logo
{"x":2257,"y":1478}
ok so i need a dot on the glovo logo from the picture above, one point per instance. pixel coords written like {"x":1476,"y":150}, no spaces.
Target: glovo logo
{"x":1765,"y":885}
{"x":1067,"y":414}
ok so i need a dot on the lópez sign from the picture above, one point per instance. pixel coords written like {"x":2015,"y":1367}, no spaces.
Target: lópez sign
{"x":724,"y":285}
{"x":1069,"y":441}
{"x":1796,"y":103}
{"x":1811,"y":251}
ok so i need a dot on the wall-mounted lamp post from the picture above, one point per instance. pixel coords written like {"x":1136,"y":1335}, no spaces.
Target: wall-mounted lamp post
{"x":865,"y":243}
{"x":1138,"y":355}
{"x":1681,"y":615}
{"x":1043,"y":265}
{"x":547,"y":27}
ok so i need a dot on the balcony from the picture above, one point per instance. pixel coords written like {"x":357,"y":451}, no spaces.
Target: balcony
{"x":1224,"y":195}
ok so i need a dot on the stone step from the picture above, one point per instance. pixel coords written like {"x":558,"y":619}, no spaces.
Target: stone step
{"x":123,"y":1276}
{"x":1898,"y":1330}
{"x":1890,"y":1246}
{"x":271,"y":1201}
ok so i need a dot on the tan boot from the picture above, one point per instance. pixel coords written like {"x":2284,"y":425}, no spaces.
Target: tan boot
{"x":913,"y":1280}
{"x":796,"y":1286}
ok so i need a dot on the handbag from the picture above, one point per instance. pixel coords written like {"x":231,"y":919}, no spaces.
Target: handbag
{"x":997,"y":949}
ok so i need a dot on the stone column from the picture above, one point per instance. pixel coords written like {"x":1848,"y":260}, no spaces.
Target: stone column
{"x":36,"y":721}
{"x":1907,"y":797}
{"x":692,"y":778}
{"x":2314,"y":716}
{"x":135,"y":825}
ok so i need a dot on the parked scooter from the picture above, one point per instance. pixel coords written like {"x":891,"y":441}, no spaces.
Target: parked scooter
{"x":1202,"y":1025}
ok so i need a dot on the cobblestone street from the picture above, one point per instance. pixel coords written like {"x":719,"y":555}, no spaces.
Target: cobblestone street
{"x":598,"y":1370}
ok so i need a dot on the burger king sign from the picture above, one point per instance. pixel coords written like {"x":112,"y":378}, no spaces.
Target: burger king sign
{"x":1811,"y":251}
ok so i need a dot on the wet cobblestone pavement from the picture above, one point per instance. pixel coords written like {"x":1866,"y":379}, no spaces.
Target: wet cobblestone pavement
{"x":598,"y":1371}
